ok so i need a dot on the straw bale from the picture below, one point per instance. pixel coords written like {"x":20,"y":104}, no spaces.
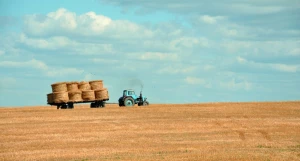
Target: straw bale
{"x":50,"y":98}
{"x":101,"y":94}
{"x":88,"y":95}
{"x":59,"y":87}
{"x":75,"y":96}
{"x":83,"y":86}
{"x":72,"y":86}
{"x":60,"y":97}
{"x":96,"y":84}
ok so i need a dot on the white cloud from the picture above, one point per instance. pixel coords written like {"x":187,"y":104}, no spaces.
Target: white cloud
{"x":2,"y":52}
{"x":155,"y":56}
{"x":33,"y":63}
{"x":176,"y":70}
{"x":105,"y":61}
{"x":234,"y":85}
{"x":199,"y":95}
{"x":275,"y":66}
{"x":255,"y":9}
{"x":208,"y":67}
{"x":295,"y":52}
{"x":64,"y":22}
{"x":194,"y":80}
{"x":208,"y":7}
{"x":66,"y":44}
{"x":53,"y":72}
{"x":7,"y":82}
{"x":197,"y":81}
{"x":211,"y":19}
{"x":189,"y":42}
{"x":285,"y":68}
{"x":51,"y":43}
{"x":39,"y":65}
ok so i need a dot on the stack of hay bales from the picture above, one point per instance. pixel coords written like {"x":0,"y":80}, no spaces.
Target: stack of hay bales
{"x":74,"y":92}
{"x":60,"y":92}
{"x":63,"y":92}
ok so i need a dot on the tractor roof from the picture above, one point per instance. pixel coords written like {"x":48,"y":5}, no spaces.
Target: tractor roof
{"x":128,"y":90}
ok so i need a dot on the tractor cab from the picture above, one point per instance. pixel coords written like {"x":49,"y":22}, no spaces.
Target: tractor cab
{"x":129,"y":93}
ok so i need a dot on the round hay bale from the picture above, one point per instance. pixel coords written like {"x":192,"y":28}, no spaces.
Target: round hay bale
{"x":101,"y":94}
{"x":72,"y":86}
{"x":83,"y":86}
{"x":50,"y":98}
{"x":75,"y":96}
{"x":96,"y":84}
{"x":60,"y":97}
{"x":59,"y":87}
{"x":88,"y":95}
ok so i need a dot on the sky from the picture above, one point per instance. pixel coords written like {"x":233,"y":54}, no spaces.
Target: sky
{"x":175,"y":51}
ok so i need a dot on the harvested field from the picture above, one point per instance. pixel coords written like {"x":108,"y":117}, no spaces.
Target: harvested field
{"x":212,"y":131}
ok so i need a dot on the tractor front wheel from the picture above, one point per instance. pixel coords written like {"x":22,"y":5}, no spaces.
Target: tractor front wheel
{"x":128,"y":102}
{"x":146,"y":103}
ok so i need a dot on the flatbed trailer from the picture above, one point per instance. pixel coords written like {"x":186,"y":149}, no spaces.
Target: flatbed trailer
{"x":70,"y":105}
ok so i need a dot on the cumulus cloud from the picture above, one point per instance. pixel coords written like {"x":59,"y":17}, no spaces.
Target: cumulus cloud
{"x":54,"y":72}
{"x":192,"y":6}
{"x":7,"y":82}
{"x":155,"y":56}
{"x":52,"y":43}
{"x":64,"y":22}
{"x":33,"y":63}
{"x":61,"y":43}
{"x":40,"y":65}
{"x":2,"y":52}
{"x":274,"y":66}
{"x":105,"y":61}
{"x":211,"y":19}
{"x":285,"y":67}
{"x":295,"y":52}
{"x":197,"y":81}
{"x":189,"y":42}
{"x":235,"y":85}
{"x":176,"y":70}
{"x":256,"y":9}
{"x":93,"y":34}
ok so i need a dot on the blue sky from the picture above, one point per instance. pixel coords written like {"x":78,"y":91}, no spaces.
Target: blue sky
{"x":180,"y":51}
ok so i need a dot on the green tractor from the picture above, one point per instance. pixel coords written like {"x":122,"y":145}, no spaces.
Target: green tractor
{"x":130,"y":99}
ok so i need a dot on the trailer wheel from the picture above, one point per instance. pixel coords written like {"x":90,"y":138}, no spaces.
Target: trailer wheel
{"x":64,"y":106}
{"x":70,"y":105}
{"x":58,"y":106}
{"x":93,"y":105}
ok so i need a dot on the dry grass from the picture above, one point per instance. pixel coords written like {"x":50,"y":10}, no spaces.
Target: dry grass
{"x":215,"y":131}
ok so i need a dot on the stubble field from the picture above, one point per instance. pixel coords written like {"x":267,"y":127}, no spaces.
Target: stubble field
{"x":212,"y":131}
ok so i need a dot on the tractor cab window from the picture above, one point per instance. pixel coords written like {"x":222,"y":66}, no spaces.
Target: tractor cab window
{"x":131,"y":92}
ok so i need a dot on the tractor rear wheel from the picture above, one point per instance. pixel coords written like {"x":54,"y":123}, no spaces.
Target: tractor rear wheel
{"x":128,"y":102}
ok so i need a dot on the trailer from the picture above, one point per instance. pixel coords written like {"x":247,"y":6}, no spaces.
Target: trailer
{"x":70,"y":105}
{"x":65,"y":94}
